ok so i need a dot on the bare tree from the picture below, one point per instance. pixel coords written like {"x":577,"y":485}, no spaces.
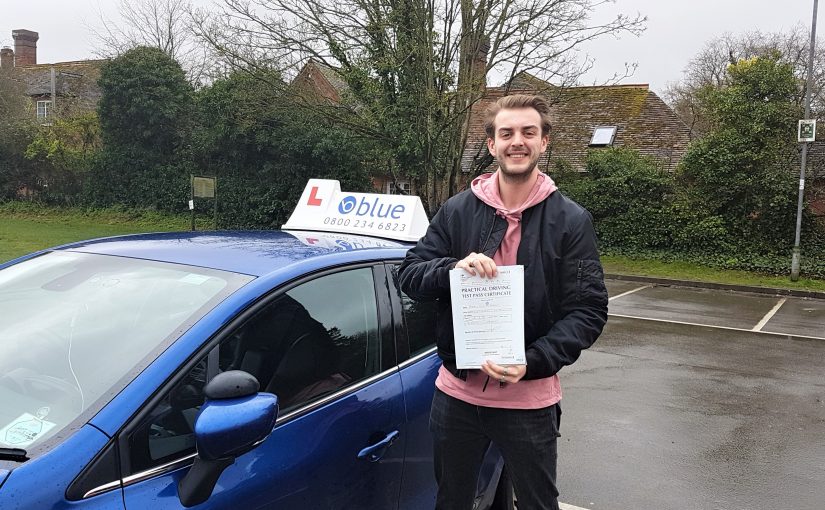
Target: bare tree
{"x":413,"y":68}
{"x":709,"y":69}
{"x":164,"y":24}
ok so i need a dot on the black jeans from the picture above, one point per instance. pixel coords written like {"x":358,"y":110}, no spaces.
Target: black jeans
{"x":462,"y":433}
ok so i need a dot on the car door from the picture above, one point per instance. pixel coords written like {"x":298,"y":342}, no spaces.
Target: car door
{"x":415,"y":324}
{"x":324,"y":346}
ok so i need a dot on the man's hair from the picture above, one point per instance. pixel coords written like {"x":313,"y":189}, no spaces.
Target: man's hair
{"x":537,"y":103}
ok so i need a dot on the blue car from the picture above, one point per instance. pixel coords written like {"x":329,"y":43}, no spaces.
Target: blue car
{"x":266,"y":369}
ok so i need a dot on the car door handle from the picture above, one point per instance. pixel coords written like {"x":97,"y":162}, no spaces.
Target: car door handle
{"x":375,"y":452}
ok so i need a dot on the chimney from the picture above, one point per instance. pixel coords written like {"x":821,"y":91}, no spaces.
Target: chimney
{"x":25,"y":47}
{"x":480,"y":61}
{"x":6,"y":58}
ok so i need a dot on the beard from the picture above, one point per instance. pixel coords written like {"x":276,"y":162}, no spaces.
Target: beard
{"x":519,"y":175}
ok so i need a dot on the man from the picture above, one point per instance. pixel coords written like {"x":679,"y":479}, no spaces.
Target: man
{"x":513,"y":216}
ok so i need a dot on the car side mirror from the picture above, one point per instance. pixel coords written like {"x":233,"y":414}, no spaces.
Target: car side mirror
{"x":234,"y":420}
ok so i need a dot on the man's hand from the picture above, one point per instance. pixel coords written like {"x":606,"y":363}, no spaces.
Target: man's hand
{"x":478,"y":264}
{"x":504,"y":373}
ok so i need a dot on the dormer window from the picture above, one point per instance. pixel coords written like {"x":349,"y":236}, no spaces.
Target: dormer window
{"x":44,"y":112}
{"x":603,"y":136}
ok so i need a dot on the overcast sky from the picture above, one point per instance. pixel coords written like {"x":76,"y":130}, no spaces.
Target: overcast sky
{"x":676,"y":31}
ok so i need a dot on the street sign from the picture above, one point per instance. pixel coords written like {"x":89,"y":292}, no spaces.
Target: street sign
{"x":204,"y":187}
{"x":807,"y":130}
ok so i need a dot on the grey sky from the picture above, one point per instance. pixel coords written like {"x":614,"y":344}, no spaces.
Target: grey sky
{"x":676,"y":31}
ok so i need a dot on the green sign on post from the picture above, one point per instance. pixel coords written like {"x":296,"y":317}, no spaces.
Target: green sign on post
{"x":203,"y":187}
{"x":807,"y":130}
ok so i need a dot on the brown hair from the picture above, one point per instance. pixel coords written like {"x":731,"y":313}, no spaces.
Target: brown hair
{"x":537,"y":103}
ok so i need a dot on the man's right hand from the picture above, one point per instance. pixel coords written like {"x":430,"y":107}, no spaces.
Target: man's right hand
{"x":478,"y":264}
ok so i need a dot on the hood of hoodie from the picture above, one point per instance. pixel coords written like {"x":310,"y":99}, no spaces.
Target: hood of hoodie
{"x":485,"y":187}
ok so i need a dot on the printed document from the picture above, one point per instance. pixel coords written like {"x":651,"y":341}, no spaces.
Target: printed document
{"x":488,"y":317}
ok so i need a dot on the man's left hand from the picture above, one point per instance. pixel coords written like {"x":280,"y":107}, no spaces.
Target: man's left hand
{"x":504,"y":373}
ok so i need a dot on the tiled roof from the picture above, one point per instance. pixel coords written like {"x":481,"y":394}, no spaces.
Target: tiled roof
{"x":643,"y":121}
{"x":321,"y":81}
{"x":332,"y":76}
{"x":76,"y":80}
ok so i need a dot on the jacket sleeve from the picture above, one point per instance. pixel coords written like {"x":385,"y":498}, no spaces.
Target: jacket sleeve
{"x":582,"y":301}
{"x":425,"y":272}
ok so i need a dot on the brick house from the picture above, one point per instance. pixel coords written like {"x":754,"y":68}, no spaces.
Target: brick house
{"x":61,"y":88}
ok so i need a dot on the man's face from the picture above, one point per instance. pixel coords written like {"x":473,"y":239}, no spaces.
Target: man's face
{"x":518,"y":141}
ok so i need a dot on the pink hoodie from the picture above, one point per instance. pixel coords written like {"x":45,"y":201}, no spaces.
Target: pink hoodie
{"x":532,"y":394}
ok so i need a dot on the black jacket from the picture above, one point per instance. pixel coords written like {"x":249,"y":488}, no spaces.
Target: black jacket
{"x":565,"y":300}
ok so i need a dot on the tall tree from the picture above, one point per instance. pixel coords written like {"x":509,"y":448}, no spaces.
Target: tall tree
{"x":145,"y":121}
{"x":739,"y":172}
{"x":413,"y":68}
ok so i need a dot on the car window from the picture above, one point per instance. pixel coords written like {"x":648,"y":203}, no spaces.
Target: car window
{"x":63,"y":313}
{"x":420,"y":322}
{"x":315,"y":339}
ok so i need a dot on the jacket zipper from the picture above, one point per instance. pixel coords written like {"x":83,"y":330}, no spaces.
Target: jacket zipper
{"x":579,"y":281}
{"x":489,"y":233}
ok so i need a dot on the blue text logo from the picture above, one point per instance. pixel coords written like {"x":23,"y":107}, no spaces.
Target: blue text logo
{"x":370,"y":206}
{"x":347,"y":205}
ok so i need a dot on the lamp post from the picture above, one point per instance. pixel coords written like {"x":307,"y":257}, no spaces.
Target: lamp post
{"x":804,"y":158}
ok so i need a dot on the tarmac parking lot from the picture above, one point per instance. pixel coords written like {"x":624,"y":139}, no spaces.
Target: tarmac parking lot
{"x":697,"y":399}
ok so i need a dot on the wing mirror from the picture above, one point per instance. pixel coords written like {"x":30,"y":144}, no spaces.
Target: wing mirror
{"x":234,"y":420}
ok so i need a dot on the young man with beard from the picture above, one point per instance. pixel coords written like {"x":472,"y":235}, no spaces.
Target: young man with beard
{"x":513,"y":216}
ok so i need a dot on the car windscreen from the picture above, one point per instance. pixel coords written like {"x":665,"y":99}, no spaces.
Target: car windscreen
{"x":73,"y":325}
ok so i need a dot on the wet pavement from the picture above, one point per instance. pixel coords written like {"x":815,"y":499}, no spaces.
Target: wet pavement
{"x":697,"y":399}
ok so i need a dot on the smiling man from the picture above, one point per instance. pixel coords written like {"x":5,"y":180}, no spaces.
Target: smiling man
{"x":513,"y":216}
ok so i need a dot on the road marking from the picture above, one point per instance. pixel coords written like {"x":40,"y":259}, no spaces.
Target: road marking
{"x":565,"y":506}
{"x":768,"y":315}
{"x":718,"y":327}
{"x":629,"y":292}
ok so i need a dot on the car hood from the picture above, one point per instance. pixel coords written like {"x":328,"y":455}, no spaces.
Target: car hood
{"x":4,"y":473}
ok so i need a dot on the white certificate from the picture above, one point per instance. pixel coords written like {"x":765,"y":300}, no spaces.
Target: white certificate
{"x":488,"y":317}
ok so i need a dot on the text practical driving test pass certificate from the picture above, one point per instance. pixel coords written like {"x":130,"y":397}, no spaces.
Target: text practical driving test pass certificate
{"x":488,"y":317}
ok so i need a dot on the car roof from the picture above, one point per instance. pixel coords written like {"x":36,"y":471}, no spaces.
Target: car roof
{"x":253,"y":253}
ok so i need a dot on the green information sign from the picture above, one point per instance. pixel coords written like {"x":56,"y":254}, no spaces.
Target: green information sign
{"x":807,"y":130}
{"x":204,"y":187}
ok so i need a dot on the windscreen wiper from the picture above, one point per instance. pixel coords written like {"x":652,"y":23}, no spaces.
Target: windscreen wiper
{"x":16,"y":454}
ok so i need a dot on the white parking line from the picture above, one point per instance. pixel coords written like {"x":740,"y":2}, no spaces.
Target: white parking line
{"x":629,"y":292}
{"x":565,"y":506}
{"x":717,"y":327}
{"x":768,"y":315}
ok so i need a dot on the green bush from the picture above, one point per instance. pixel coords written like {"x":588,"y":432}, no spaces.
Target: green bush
{"x":640,"y":210}
{"x":629,"y":197}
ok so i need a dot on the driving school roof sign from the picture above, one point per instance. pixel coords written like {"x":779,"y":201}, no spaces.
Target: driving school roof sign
{"x":323,"y":206}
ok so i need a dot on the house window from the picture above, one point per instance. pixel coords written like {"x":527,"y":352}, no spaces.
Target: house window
{"x":603,"y":136}
{"x":398,"y":187}
{"x":44,"y":111}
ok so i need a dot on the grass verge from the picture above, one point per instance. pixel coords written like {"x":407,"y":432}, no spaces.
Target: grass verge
{"x":26,"y":227}
{"x":618,"y":264}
